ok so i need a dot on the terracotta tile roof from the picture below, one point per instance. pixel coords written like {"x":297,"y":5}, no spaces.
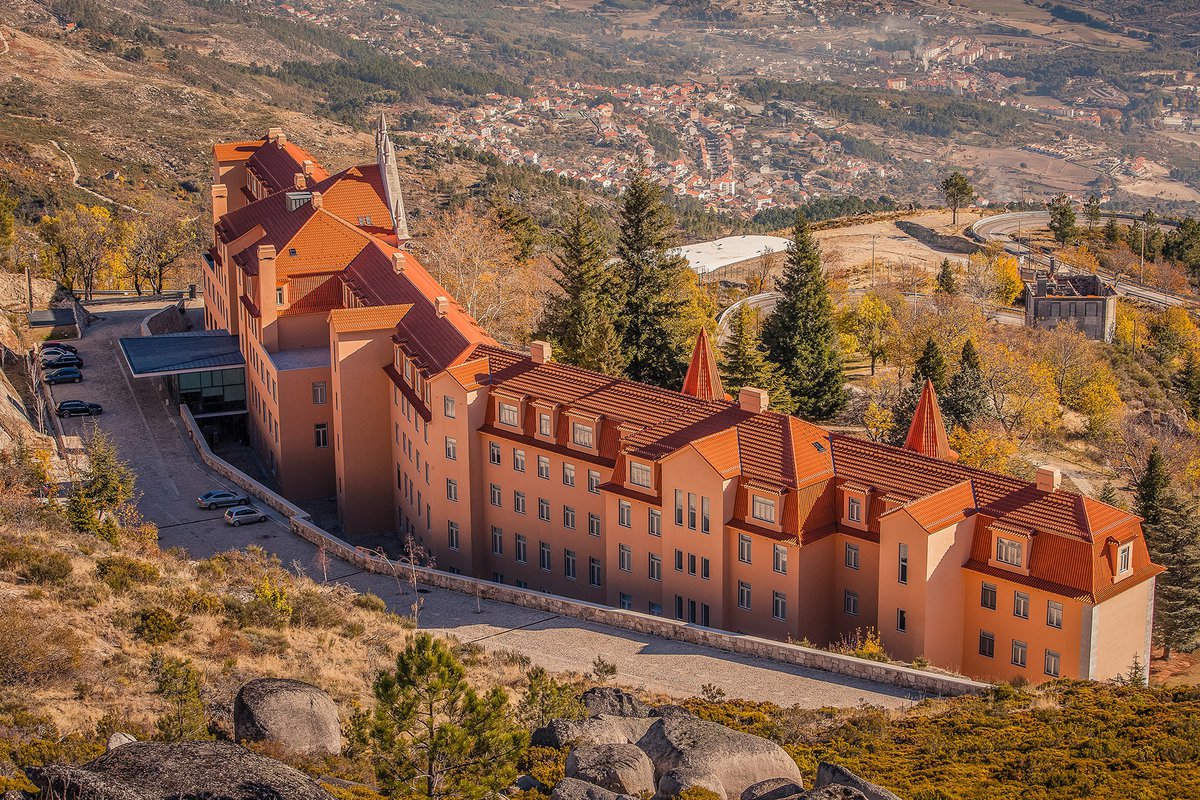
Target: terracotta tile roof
{"x":927,"y":433}
{"x":308,"y":294}
{"x":357,"y":196}
{"x":942,"y":509}
{"x":702,"y":380}
{"x":323,"y":243}
{"x":276,"y":167}
{"x":373,"y":318}
{"x":236,"y":151}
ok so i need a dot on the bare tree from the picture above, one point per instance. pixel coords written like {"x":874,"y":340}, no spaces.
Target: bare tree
{"x":158,"y":240}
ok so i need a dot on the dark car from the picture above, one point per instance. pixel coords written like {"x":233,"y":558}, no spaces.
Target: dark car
{"x":69,"y":348}
{"x":64,"y":375}
{"x":220,"y":498}
{"x":77,"y":408}
{"x":242,"y":515}
{"x":64,"y":360}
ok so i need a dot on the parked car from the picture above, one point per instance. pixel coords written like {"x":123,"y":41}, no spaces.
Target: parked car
{"x":220,"y":498}
{"x":77,"y":408}
{"x":243,"y":515}
{"x":64,"y":375}
{"x":69,"y":348}
{"x":54,"y":352}
{"x":64,"y":360}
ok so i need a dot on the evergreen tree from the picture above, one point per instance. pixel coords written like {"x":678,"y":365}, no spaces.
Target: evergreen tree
{"x":1112,"y":234}
{"x":1174,"y":543}
{"x":1190,"y":380}
{"x":1108,"y":494}
{"x":947,"y":281}
{"x":649,"y":272}
{"x":547,"y":699}
{"x":966,"y":396}
{"x":1091,"y":209}
{"x":432,"y":736}
{"x":931,"y":366}
{"x":519,"y":225}
{"x":799,"y":333}
{"x":1152,"y":487}
{"x":8,"y":227}
{"x":1062,"y":219}
{"x":743,"y":362}
{"x":179,"y":684}
{"x":579,"y":320}
{"x":958,"y":192}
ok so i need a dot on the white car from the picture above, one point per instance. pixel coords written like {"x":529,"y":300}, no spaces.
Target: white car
{"x":244,"y":515}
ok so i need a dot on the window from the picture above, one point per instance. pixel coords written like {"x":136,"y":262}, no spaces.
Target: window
{"x":987,"y":644}
{"x":691,"y":563}
{"x":568,"y":517}
{"x":568,"y":474}
{"x":704,"y":564}
{"x":626,"y":601}
{"x":543,"y":509}
{"x":448,"y":407}
{"x":655,"y":569}
{"x":743,"y":595}
{"x":678,"y":607}
{"x":656,"y":609}
{"x":778,"y":605}
{"x":278,"y":295}
{"x":1019,"y":653}
{"x":1052,"y":664}
{"x":852,"y":556}
{"x":679,"y":561}
{"x":639,"y":474}
{"x":519,"y":502}
{"x":902,"y":563}
{"x":850,"y":603}
{"x":624,"y":514}
{"x":321,"y":435}
{"x":497,"y":577}
{"x":780,"y":560}
{"x":451,"y":449}
{"x":1021,"y":605}
{"x":522,"y":549}
{"x":594,"y":571}
{"x":763,"y":509}
{"x":569,"y":564}
{"x":544,"y":556}
{"x":508,"y":415}
{"x":625,"y":558}
{"x":854,"y":509}
{"x":744,"y":548}
{"x":654,"y":522}
{"x":518,"y":460}
{"x":1008,"y":552}
{"x":705,"y":508}
{"x":452,"y":535}
{"x":451,"y":489}
{"x":544,"y":425}
{"x":987,"y":596}
{"x":1054,"y":614}
{"x":495,"y":496}
{"x":593,"y":481}
{"x":493,"y":453}
{"x":691,"y":511}
{"x":497,"y":541}
{"x":1124,"y":558}
{"x":593,"y":524}
{"x":581,"y":434}
{"x":544,"y":467}
{"x":520,"y":584}
{"x":679,"y":507}
{"x":320,"y":395}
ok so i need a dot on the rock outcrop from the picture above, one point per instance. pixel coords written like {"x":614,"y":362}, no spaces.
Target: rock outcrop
{"x":295,"y":714}
{"x":118,"y":740}
{"x":169,"y":771}
{"x":595,"y":730}
{"x":613,"y":702}
{"x":573,"y":789}
{"x":833,"y":792}
{"x":837,"y":775}
{"x":621,"y":768}
{"x":774,"y":789}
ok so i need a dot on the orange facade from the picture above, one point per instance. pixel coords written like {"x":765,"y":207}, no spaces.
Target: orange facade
{"x":369,"y":383}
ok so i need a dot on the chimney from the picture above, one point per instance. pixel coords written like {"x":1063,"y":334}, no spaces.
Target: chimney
{"x":540,"y":351}
{"x":273,"y":134}
{"x":1048,"y":479}
{"x":280,"y":140}
{"x":220,"y":201}
{"x":398,"y":263}
{"x":441,"y":305}
{"x":316,"y":200}
{"x":266,"y":297}
{"x":753,"y":400}
{"x":298,"y":180}
{"x":308,"y":167}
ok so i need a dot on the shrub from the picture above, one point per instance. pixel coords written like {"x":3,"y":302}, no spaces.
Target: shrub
{"x":156,"y":625}
{"x":603,"y":670}
{"x":35,"y":564}
{"x":370,"y":602}
{"x":313,"y":608}
{"x":179,"y":684}
{"x":545,"y":764}
{"x":191,"y":600}
{"x":34,"y":651}
{"x":698,"y":793}
{"x":122,"y":573}
{"x":862,"y":644}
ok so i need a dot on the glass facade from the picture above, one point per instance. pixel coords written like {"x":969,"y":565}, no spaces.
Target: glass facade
{"x":219,"y":391}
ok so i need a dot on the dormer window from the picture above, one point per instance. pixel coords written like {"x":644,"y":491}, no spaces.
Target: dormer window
{"x":278,"y":295}
{"x":544,"y":424}
{"x":581,"y":434}
{"x":1009,"y":552}
{"x":1125,"y":558}
{"x":407,"y":371}
{"x":763,"y":509}
{"x":508,"y":415}
{"x":854,"y":509}
{"x":639,"y":474}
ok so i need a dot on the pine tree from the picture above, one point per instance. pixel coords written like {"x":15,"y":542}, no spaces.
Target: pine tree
{"x":958,"y":192}
{"x":1190,"y":380}
{"x":1108,"y":494}
{"x":649,"y":272}
{"x":1174,"y":543}
{"x":743,"y":362}
{"x":947,"y":281}
{"x":1091,"y":209}
{"x":1112,"y":234}
{"x":1152,"y":488}
{"x":179,"y":684}
{"x":1062,"y":219}
{"x":966,"y":396}
{"x":519,"y":225}
{"x":931,"y":366}
{"x":799,"y":333}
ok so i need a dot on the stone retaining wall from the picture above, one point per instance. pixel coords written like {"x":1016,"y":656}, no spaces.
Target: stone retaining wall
{"x":302,"y":524}
{"x":165,"y":320}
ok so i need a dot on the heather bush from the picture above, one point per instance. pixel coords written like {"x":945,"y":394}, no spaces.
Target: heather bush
{"x":35,"y":564}
{"x":156,"y":625}
{"x":370,"y":602}
{"x":121,"y":573}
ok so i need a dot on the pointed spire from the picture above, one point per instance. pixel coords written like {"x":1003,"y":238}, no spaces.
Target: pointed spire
{"x":927,"y":434}
{"x":703,"y":380}
{"x":386,"y":158}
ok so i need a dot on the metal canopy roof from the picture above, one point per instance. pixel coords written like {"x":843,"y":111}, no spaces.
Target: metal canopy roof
{"x":173,"y":353}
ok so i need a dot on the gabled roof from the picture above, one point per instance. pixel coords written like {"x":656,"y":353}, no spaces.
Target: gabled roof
{"x":702,"y":380}
{"x":276,"y":166}
{"x":357,"y":196}
{"x":373,"y":318}
{"x":945,"y":508}
{"x":927,"y":433}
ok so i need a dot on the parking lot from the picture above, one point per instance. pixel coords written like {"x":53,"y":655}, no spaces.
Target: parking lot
{"x":150,"y":436}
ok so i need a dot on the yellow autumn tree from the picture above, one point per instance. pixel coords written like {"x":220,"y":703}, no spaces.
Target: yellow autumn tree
{"x":982,"y":448}
{"x":879,"y":422}
{"x":1021,"y":392}
{"x":871,"y":326}
{"x":1099,"y":401}
{"x":993,"y":276}
{"x":1130,"y":331}
{"x":1080,"y":258}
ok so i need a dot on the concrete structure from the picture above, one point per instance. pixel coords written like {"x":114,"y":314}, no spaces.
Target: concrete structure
{"x":368,"y":382}
{"x":1086,"y":301}
{"x":728,"y":256}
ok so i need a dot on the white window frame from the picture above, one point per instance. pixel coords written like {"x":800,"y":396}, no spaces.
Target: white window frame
{"x":1006,"y":549}
{"x":582,"y":435}
{"x":508,"y":414}
{"x":763,"y":509}
{"x":640,"y":474}
{"x":854,"y":509}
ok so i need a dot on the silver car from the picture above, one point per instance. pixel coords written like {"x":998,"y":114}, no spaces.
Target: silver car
{"x":244,"y":515}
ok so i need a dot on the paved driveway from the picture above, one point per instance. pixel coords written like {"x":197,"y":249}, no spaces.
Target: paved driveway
{"x":170,"y":475}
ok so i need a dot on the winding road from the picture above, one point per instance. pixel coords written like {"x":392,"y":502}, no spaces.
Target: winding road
{"x":75,"y":181}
